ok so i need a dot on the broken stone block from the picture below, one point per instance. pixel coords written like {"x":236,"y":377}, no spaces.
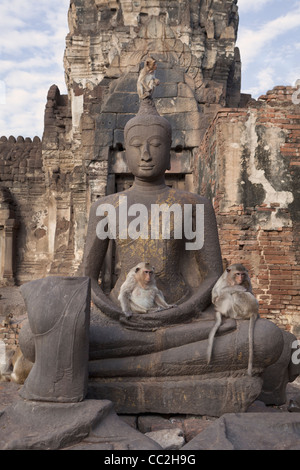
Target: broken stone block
{"x":168,"y":439}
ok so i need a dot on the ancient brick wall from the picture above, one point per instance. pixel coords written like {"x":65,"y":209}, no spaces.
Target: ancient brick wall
{"x":9,"y":335}
{"x":249,"y":164}
{"x":23,"y":188}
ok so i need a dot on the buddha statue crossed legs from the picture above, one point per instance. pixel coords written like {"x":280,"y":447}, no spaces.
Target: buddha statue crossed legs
{"x":156,"y":362}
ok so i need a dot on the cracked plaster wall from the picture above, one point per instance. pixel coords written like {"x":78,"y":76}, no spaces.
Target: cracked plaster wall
{"x":249,"y":165}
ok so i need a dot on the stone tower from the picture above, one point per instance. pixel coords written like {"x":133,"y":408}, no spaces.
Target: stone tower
{"x":199,"y":70}
{"x":198,"y":66}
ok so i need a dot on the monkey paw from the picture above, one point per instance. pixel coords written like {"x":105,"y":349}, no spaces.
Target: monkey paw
{"x":171,"y":306}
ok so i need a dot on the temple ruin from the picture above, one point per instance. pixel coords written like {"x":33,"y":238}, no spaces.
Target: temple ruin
{"x":241,"y":153}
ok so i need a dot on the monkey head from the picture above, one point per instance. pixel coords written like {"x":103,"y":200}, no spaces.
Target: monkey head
{"x":144,"y":274}
{"x":238,"y":275}
{"x":150,"y":64}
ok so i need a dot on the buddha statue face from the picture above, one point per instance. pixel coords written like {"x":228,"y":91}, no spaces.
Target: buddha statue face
{"x":148,"y":151}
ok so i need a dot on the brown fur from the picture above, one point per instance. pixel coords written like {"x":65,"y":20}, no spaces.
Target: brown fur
{"x":147,"y":81}
{"x":21,"y":367}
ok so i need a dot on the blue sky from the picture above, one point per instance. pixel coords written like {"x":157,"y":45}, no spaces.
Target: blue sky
{"x":269,"y":41}
{"x":32,"y":42}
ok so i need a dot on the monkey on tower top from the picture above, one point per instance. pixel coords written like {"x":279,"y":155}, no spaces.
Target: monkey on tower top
{"x":147,"y":81}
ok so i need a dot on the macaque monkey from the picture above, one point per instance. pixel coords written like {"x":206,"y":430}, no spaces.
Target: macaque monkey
{"x":139,"y":294}
{"x":21,"y":367}
{"x":233,"y":297}
{"x":147,"y":81}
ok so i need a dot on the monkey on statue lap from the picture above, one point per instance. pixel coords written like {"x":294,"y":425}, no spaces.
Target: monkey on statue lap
{"x":139,"y":293}
{"x":233,"y":297}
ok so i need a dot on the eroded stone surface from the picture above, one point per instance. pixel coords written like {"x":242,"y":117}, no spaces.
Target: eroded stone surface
{"x":250,"y":431}
{"x":52,"y":426}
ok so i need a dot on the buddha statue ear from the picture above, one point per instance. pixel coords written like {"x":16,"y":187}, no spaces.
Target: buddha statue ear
{"x":169,"y":164}
{"x":168,"y":156}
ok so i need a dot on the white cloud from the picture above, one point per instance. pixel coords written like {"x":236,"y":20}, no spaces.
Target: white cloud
{"x":265,"y":81}
{"x":252,"y":42}
{"x":2,"y":92}
{"x":252,"y":5}
{"x":32,"y":42}
{"x":16,"y":41}
{"x":270,"y":48}
{"x":28,"y":110}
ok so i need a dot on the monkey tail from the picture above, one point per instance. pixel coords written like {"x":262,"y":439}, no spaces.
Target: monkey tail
{"x":251,"y":344}
{"x":212,"y":334}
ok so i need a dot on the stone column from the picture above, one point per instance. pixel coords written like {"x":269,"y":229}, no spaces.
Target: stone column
{"x":8,"y":273}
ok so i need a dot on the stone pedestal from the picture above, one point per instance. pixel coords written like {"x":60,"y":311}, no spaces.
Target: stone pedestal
{"x":173,"y":375}
{"x":184,"y":395}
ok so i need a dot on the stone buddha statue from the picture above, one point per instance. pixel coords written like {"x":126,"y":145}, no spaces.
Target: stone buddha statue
{"x":184,"y":274}
{"x":156,"y":362}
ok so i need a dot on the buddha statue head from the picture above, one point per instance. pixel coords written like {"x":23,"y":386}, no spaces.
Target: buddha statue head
{"x":148,"y":138}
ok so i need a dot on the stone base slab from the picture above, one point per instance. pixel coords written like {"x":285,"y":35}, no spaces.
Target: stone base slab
{"x":250,"y":431}
{"x":178,"y":395}
{"x":90,"y":424}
